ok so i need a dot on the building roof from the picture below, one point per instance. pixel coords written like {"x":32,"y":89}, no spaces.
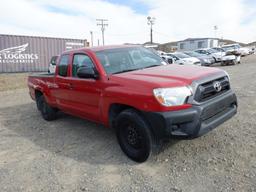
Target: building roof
{"x":197,"y":39}
{"x":41,"y":37}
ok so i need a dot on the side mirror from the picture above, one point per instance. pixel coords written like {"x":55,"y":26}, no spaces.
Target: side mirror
{"x":87,"y":73}
{"x":170,"y":61}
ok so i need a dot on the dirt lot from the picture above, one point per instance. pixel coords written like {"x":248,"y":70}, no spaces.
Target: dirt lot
{"x":71,"y":154}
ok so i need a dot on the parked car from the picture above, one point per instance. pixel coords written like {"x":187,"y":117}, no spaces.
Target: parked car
{"x":228,"y":58}
{"x":235,"y":49}
{"x":168,"y":59}
{"x":52,"y":65}
{"x":183,"y":59}
{"x":204,"y":59}
{"x":144,"y":100}
{"x":243,"y":51}
{"x":211,"y":52}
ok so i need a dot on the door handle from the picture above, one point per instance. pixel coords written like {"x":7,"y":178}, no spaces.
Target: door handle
{"x":70,"y":86}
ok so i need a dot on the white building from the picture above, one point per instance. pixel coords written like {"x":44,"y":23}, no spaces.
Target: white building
{"x":197,"y":43}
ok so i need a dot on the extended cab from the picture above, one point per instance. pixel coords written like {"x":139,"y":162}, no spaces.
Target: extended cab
{"x":132,"y":90}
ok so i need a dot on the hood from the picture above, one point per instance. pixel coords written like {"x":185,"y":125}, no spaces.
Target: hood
{"x":165,"y":76}
{"x":204,"y":57}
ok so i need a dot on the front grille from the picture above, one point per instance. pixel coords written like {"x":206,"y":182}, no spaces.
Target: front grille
{"x":206,"y":91}
{"x":197,"y":63}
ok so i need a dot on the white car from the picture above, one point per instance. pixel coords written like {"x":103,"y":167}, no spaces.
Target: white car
{"x":183,"y":59}
{"x":228,"y":57}
{"x":52,"y":65}
{"x":217,"y":55}
{"x":243,"y":51}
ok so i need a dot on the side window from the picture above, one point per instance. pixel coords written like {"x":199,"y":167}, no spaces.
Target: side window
{"x":182,"y":46}
{"x":63,"y":66}
{"x":80,"y":60}
{"x":200,"y":44}
{"x":53,"y":60}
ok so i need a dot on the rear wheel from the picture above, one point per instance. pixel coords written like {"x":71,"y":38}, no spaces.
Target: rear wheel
{"x":234,"y":62}
{"x":134,"y":135}
{"x":48,"y":113}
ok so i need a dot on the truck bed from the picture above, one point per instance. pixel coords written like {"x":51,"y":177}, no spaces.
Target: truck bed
{"x":41,"y":75}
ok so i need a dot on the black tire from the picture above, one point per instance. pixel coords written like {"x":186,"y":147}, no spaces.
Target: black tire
{"x":234,"y":62}
{"x":48,"y":113}
{"x":134,"y":135}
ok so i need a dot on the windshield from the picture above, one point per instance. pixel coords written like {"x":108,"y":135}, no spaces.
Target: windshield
{"x":219,"y":49}
{"x":181,"y":55}
{"x":212,"y":51}
{"x":128,"y":59}
{"x":228,"y":48}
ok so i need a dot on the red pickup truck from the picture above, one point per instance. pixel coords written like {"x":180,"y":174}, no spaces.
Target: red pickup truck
{"x":132,"y":90}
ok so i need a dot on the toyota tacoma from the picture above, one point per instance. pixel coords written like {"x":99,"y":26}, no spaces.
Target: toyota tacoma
{"x":132,"y":90}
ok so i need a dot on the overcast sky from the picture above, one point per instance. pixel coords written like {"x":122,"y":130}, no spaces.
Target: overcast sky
{"x":175,"y":19}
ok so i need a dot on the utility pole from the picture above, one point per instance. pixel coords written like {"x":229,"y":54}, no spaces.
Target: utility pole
{"x":215,"y":27}
{"x":151,"y":22}
{"x":91,"y":32}
{"x":103,"y":24}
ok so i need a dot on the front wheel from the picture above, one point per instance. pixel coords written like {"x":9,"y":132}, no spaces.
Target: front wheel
{"x":134,"y":135}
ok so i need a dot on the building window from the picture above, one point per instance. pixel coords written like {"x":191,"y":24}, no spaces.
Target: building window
{"x":181,"y":45}
{"x":200,"y":44}
{"x":211,"y":43}
{"x":63,"y":66}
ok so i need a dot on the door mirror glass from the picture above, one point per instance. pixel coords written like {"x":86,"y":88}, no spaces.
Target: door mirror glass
{"x":87,"y":73}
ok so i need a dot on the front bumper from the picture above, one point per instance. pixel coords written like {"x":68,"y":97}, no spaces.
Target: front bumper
{"x":195,"y":121}
{"x":218,"y":59}
{"x":228,"y":58}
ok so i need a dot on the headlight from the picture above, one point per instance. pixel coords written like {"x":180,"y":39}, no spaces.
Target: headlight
{"x":172,"y":96}
{"x":227,"y":75}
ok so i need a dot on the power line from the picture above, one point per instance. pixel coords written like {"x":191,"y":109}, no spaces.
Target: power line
{"x":103,"y":24}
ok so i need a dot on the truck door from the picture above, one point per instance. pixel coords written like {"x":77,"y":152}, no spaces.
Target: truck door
{"x":83,"y":94}
{"x":61,"y":93}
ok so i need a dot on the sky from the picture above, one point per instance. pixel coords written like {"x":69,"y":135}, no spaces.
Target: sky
{"x":127,"y":20}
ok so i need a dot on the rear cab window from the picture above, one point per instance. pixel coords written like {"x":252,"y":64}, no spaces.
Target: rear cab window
{"x":54,"y":60}
{"x":63,"y":66}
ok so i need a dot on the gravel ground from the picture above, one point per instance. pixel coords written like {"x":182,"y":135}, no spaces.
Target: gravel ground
{"x":71,"y":154}
{"x":10,"y":81}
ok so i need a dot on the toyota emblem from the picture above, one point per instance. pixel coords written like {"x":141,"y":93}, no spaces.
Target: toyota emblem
{"x":217,"y":86}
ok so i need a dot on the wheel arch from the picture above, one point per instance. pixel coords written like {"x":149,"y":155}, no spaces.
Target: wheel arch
{"x":116,"y":108}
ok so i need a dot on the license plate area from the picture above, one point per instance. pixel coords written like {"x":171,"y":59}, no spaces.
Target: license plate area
{"x":215,"y":108}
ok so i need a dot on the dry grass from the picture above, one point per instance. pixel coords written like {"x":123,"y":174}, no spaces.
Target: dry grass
{"x":10,"y":81}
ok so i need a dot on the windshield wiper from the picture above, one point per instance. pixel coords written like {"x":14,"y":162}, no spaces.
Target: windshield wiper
{"x":127,"y":70}
{"x":151,"y":66}
{"x":123,"y":71}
